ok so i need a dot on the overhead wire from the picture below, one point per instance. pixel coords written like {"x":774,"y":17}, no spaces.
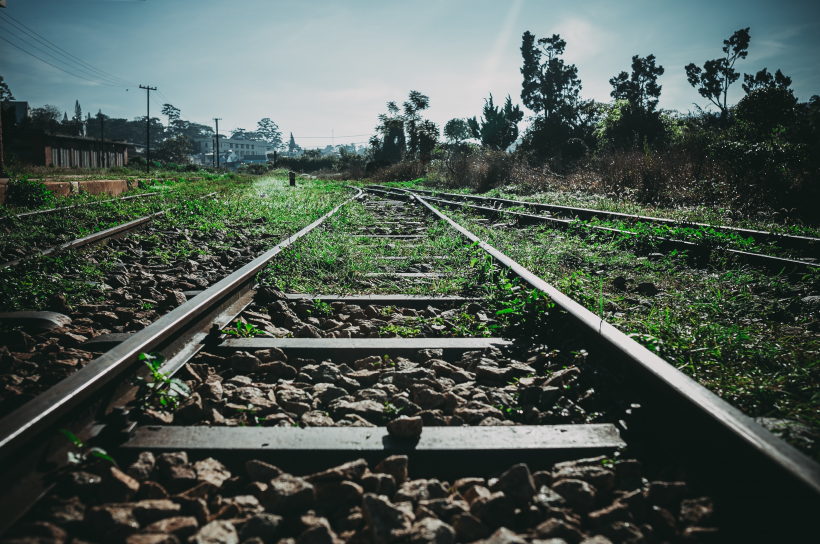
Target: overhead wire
{"x":57,"y":49}
{"x":52,"y":65}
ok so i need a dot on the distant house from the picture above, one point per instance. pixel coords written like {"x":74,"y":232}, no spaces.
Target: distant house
{"x":41,"y":148}
{"x":241,"y":148}
{"x":254,"y":159}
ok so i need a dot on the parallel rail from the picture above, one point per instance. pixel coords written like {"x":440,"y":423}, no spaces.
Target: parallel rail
{"x":768,"y":262}
{"x":97,"y":238}
{"x":751,"y":472}
{"x":789,"y":241}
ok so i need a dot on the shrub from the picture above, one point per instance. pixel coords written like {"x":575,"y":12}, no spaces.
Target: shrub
{"x":27,"y":193}
{"x":305,"y":164}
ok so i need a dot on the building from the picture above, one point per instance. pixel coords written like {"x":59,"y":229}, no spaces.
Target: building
{"x":240,"y":147}
{"x":44,"y":149}
{"x":21,"y":109}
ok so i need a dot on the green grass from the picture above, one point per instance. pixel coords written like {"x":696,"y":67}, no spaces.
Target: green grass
{"x":257,"y":212}
{"x":743,"y":334}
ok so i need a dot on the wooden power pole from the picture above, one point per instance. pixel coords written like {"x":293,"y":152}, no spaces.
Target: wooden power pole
{"x":148,"y":126}
{"x":216,"y":149}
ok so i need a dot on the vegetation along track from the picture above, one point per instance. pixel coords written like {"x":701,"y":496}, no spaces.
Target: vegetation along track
{"x":750,"y":334}
{"x":523,"y":398}
{"x":746,"y":246}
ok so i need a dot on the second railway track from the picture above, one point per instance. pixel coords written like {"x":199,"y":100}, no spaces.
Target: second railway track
{"x":520,"y":437}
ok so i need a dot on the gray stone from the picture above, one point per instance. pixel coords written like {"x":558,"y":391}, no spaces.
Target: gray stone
{"x":216,"y":532}
{"x":469,"y":528}
{"x":143,"y":467}
{"x":112,"y":522}
{"x":599,"y":477}
{"x":259,"y":471}
{"x":287,"y":494}
{"x":517,"y":484}
{"x":396,"y":466}
{"x":432,"y":530}
{"x":578,"y":493}
{"x":494,"y":511}
{"x":182,"y":526}
{"x":243,"y":362}
{"x":405,"y":427}
{"x":418,"y":490}
{"x":212,"y":471}
{"x":558,"y":528}
{"x":380,"y":484}
{"x":317,"y":418}
{"x":149,"y":511}
{"x":387,"y":522}
{"x":262,"y":525}
{"x":504,"y":536}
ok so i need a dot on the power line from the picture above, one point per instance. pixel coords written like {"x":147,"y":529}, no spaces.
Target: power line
{"x":329,"y":137}
{"x":61,"y":69}
{"x":112,"y":84}
{"x":34,"y":35}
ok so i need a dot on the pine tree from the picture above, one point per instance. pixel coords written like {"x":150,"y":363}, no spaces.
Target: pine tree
{"x":78,"y":111}
{"x":292,"y":147}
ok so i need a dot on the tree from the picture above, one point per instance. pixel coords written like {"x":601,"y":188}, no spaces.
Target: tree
{"x":714,"y":79}
{"x":414,"y":126}
{"x":766,"y":111}
{"x":5,"y":93}
{"x":43,"y":118}
{"x":175,"y":149}
{"x":498,"y":128}
{"x":78,"y":111}
{"x":764,"y":79}
{"x":292,"y":147}
{"x":268,"y":131}
{"x":456,"y":131}
{"x":392,"y":146}
{"x":641,"y":89}
{"x":171,"y":113}
{"x":552,"y":87}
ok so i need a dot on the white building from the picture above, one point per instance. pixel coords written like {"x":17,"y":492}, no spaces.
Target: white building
{"x":239,"y":147}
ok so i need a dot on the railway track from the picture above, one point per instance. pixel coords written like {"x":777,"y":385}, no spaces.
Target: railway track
{"x":566,"y":217}
{"x":63,"y":208}
{"x":97,"y":237}
{"x":292,"y":425}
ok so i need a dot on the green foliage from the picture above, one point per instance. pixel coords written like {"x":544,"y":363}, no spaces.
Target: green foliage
{"x":499,"y":127}
{"x":163,"y":391}
{"x":80,"y":457}
{"x":457,"y":130}
{"x":243,"y":330}
{"x":641,"y":89}
{"x":766,"y":112}
{"x":764,"y":79}
{"x":714,"y":79}
{"x":28,"y":193}
{"x":308,"y":163}
{"x":175,"y":150}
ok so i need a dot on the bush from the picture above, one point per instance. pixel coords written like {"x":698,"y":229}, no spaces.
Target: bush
{"x":190,"y":168}
{"x":256,"y":169}
{"x":139,"y":162}
{"x":305,"y":164}
{"x":407,"y":170}
{"x":27,"y":193}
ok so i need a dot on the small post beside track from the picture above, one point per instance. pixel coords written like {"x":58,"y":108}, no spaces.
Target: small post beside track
{"x":292,"y":178}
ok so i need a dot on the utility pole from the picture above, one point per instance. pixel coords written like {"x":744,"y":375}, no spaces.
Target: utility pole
{"x":216,"y":150}
{"x":213,"y":157}
{"x":2,"y":169}
{"x":148,"y":90}
{"x":102,"y":141}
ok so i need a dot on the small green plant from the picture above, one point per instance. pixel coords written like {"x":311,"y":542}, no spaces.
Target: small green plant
{"x":27,"y":193}
{"x":163,"y":390}
{"x":80,"y":457}
{"x":243,"y":330}
{"x":322,"y":308}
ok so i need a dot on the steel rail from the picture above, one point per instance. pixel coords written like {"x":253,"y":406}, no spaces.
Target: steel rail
{"x":785,"y":240}
{"x":763,"y":475}
{"x":54,"y":210}
{"x":29,"y":453}
{"x":769,"y":262}
{"x":97,"y":237}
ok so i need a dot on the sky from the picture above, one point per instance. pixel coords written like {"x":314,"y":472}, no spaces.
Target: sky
{"x":319,"y":68}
